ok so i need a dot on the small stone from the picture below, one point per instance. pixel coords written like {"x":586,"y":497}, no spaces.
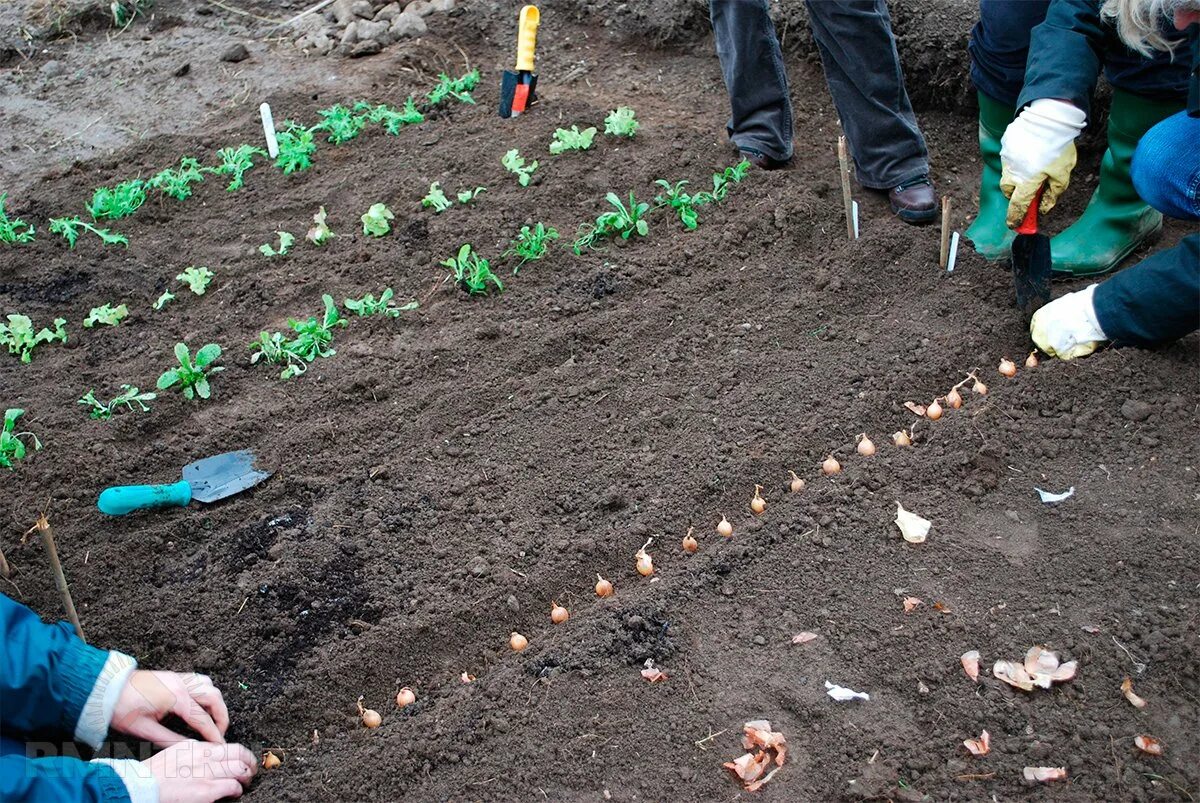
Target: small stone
{"x":367,"y":30}
{"x":760,"y":640}
{"x":512,"y":603}
{"x":420,"y":7}
{"x":235,"y":53}
{"x":408,"y":25}
{"x":342,"y":12}
{"x":362,"y":8}
{"x":276,"y":550}
{"x":388,"y":13}
{"x":350,"y":34}
{"x":1136,"y":410}
{"x":52,"y":69}
{"x":443,"y":5}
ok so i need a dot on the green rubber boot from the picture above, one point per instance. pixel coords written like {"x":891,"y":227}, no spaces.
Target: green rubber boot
{"x":1116,"y":220}
{"x":990,"y":233}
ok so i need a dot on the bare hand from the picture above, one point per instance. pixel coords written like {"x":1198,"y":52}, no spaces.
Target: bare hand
{"x":150,"y":696}
{"x":201,"y":772}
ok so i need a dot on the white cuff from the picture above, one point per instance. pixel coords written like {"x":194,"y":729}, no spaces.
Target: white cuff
{"x":139,"y":780}
{"x":1058,"y":112}
{"x":97,"y":713}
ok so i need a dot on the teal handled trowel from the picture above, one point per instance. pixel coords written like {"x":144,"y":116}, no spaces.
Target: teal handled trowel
{"x":205,"y":481}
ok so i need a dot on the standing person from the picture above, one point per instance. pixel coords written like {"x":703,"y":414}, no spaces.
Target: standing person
{"x":1157,"y":300}
{"x":862,"y":68}
{"x":1042,"y":58}
{"x":53,"y":684}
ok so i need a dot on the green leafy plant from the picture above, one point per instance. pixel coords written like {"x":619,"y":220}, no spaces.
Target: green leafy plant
{"x":197,"y":279}
{"x":530,"y":244}
{"x":436,"y":198}
{"x":375,"y":221}
{"x":340,"y":123}
{"x":684,"y":204}
{"x":471,"y":272}
{"x":273,"y":348}
{"x":726,"y":178}
{"x":124,"y":11}
{"x":234,"y":163}
{"x":286,"y":239}
{"x":192,"y":375}
{"x":13,"y":230}
{"x":392,"y":119}
{"x":368,"y":305}
{"x":166,"y":298}
{"x":177,"y":183}
{"x":106,"y":314}
{"x":468,"y":195}
{"x":19,"y":337}
{"x":621,"y":122}
{"x":112,"y":203}
{"x":623,"y":220}
{"x":457,"y":88}
{"x":320,"y":233}
{"x":313,"y":339}
{"x":71,"y":227}
{"x":296,"y":147}
{"x":514,"y":163}
{"x":11,"y":446}
{"x":128,"y":397}
{"x":572,"y":140}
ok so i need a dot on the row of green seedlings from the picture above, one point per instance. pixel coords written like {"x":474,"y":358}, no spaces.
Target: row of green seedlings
{"x":296,"y":143}
{"x":620,"y":122}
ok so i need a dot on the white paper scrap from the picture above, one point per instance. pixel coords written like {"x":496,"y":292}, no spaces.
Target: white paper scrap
{"x":1052,"y":499}
{"x":842,"y":694}
{"x":269,"y":130}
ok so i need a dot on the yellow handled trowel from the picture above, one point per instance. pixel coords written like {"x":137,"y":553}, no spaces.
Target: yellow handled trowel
{"x":517,"y":86}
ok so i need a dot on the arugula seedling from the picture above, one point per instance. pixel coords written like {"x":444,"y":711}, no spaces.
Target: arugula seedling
{"x":313,"y":337}
{"x":727,"y":177}
{"x":466,"y":196}
{"x":436,"y":198}
{"x":129,"y":396}
{"x":13,"y":230}
{"x":375,"y":221}
{"x":367,"y":305}
{"x":530,"y":244}
{"x":177,"y":183}
{"x":273,"y":347}
{"x":457,"y":88}
{"x":683,"y":203}
{"x":166,"y":298}
{"x":391,"y":119}
{"x":107,"y":315}
{"x":514,"y":163}
{"x":620,"y":122}
{"x":320,"y":233}
{"x":71,"y":227}
{"x":296,"y":147}
{"x":11,"y":446}
{"x":192,"y":375}
{"x":623,"y":220}
{"x":235,"y":162}
{"x":340,"y":123}
{"x":573,"y":140}
{"x":286,"y":238}
{"x":123,"y":200}
{"x":471,"y":273}
{"x":21,"y":340}
{"x":197,"y":279}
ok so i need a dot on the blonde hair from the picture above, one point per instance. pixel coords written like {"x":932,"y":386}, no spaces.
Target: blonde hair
{"x":1139,"y":21}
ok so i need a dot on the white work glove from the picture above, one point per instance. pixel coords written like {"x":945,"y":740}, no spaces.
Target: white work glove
{"x":1067,"y":327}
{"x":1038,"y":148}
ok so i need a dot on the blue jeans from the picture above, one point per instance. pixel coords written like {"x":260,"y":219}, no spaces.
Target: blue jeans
{"x":1166,"y":167}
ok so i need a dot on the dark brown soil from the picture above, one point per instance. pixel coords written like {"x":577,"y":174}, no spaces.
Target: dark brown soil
{"x":447,"y":475}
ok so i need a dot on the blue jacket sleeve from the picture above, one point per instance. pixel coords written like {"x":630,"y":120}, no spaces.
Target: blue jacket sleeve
{"x":1155,"y":301}
{"x":1065,"y":54}
{"x":58,"y":780}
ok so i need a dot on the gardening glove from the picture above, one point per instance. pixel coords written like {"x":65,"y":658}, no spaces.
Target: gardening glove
{"x":1038,"y":148}
{"x":1067,"y":327}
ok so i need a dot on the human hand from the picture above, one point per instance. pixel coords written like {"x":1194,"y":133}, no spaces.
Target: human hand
{"x":201,"y":772}
{"x":150,"y":696}
{"x":1038,"y":148}
{"x":1067,"y":327}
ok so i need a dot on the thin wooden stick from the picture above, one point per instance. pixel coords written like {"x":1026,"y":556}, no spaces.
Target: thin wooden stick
{"x":60,"y":580}
{"x":844,"y":171}
{"x":5,"y":569}
{"x":944,"y":257}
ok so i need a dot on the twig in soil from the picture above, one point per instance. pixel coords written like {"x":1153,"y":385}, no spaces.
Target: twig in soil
{"x":42,"y":527}
{"x":305,"y":13}
{"x":243,"y":606}
{"x":517,"y":573}
{"x":975,"y":776}
{"x":1138,"y":666}
{"x":1172,"y":784}
{"x":944,"y":252}
{"x":844,"y":174}
{"x":243,"y":12}
{"x":709,"y":738}
{"x":5,"y":569}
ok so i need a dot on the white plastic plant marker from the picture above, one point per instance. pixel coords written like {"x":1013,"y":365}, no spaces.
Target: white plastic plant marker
{"x":269,"y":130}
{"x":844,"y":695}
{"x":1052,"y":498}
{"x":854,"y":217}
{"x":953,"y":253}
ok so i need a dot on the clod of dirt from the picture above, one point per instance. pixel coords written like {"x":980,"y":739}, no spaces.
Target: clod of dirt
{"x":1136,"y":410}
{"x":235,"y":53}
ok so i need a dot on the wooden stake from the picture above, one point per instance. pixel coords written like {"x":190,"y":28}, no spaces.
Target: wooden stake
{"x":844,"y":171}
{"x":944,"y":254}
{"x":60,"y":580}
{"x":5,"y":569}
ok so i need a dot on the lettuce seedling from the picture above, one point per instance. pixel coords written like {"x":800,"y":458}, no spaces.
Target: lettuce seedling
{"x":391,"y":119}
{"x":19,"y":337}
{"x":235,"y":162}
{"x":129,"y":396}
{"x":340,"y":123}
{"x":11,"y":446}
{"x":727,"y":177}
{"x":436,"y":198}
{"x":107,"y":315}
{"x":320,"y":233}
{"x":530,"y":244}
{"x":197,"y":279}
{"x":313,"y":337}
{"x":192,"y":375}
{"x":367,"y":305}
{"x":573,"y":140}
{"x":112,"y":203}
{"x":623,"y":220}
{"x":13,"y":230}
{"x":471,"y":273}
{"x":457,"y":88}
{"x":273,"y":347}
{"x":620,"y":122}
{"x":286,"y":239}
{"x":296,"y":147}
{"x":514,"y":163}
{"x":166,"y":298}
{"x":375,"y":221}
{"x":177,"y":183}
{"x":70,"y":228}
{"x":468,"y":195}
{"x":683,"y":203}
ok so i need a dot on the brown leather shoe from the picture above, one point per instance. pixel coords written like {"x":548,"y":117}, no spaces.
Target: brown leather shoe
{"x":761,"y":160}
{"x":914,"y":201}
